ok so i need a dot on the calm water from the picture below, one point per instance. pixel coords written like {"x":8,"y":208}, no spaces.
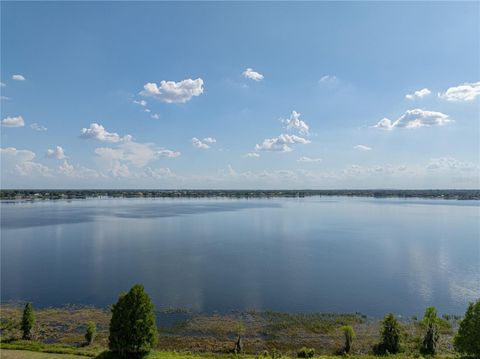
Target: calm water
{"x":312,"y":254}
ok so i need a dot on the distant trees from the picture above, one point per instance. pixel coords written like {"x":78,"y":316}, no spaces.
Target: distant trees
{"x":349,"y":334}
{"x":90,"y":333}
{"x":132,"y":328}
{"x":390,"y":336}
{"x":28,"y":321}
{"x":430,"y":322}
{"x":467,"y":340}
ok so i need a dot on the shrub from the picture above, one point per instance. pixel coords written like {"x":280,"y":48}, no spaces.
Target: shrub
{"x":467,"y":340}
{"x":28,"y":321}
{"x":132,"y":328}
{"x":390,"y":334}
{"x":90,"y":333}
{"x":349,"y":336}
{"x":306,"y":353}
{"x":430,"y":321}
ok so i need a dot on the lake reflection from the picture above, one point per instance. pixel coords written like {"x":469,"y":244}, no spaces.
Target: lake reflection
{"x":311,"y":254}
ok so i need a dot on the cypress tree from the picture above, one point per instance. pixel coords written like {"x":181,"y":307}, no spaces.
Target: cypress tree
{"x":28,"y":321}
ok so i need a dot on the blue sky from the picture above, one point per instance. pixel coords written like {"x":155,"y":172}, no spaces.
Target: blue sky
{"x":254,"y":95}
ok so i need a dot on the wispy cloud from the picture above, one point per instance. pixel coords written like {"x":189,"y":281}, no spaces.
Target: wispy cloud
{"x":309,"y":159}
{"x":362,"y":148}
{"x":37,"y":127}
{"x":203,"y":144}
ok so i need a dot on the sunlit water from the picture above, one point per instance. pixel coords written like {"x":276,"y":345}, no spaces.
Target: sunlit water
{"x":312,"y":254}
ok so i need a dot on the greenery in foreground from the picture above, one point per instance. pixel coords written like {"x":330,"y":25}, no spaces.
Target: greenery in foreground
{"x":133,"y":333}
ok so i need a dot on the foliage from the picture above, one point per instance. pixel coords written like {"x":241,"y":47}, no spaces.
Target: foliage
{"x":306,"y":353}
{"x":349,"y":336}
{"x":132,"y":328}
{"x":431,"y":323}
{"x":90,"y":333}
{"x":390,"y":335}
{"x":28,"y":321}
{"x":467,"y":339}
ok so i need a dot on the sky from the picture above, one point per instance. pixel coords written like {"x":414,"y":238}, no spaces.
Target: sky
{"x":240,"y":95}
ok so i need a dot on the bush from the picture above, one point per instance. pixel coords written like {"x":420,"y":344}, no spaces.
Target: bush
{"x":306,"y":353}
{"x":132,"y":328}
{"x":430,"y":321}
{"x":390,"y":334}
{"x":467,"y":340}
{"x":90,"y":333}
{"x":349,"y":336}
{"x":28,"y":321}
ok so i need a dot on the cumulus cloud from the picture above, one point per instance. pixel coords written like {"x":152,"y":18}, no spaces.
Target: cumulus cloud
{"x":362,"y":148}
{"x":309,"y":159}
{"x":13,"y":122}
{"x":98,"y":132}
{"x":77,"y":171}
{"x":21,"y":161}
{"x":17,"y":155}
{"x":37,"y":127}
{"x":450,"y":163}
{"x":203,"y":144}
{"x":174,"y":92}
{"x":251,"y":74}
{"x":328,"y":79}
{"x":281,"y":143}
{"x":18,"y":77}
{"x":294,"y":123}
{"x":464,"y":92}
{"x":418,"y":94}
{"x":414,"y":119}
{"x":141,"y":102}
{"x":57,"y":153}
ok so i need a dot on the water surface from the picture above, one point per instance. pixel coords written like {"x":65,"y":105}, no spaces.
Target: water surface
{"x":310,"y":254}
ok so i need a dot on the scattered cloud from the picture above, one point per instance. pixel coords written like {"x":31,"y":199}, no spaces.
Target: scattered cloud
{"x":57,"y":153}
{"x":17,"y":155}
{"x":18,"y":77}
{"x":98,"y":132}
{"x":450,"y":163}
{"x":281,"y":143}
{"x":309,"y":159}
{"x":141,"y":102}
{"x":2,"y":84}
{"x":252,"y":155}
{"x":294,"y":123}
{"x":174,"y":92}
{"x":465,"y":92}
{"x":37,"y":127}
{"x":147,"y":110}
{"x":362,"y":148}
{"x":251,"y":74}
{"x":21,"y":162}
{"x":13,"y":122}
{"x":77,"y":171}
{"x":203,"y":144}
{"x":4,"y":98}
{"x":328,"y":79}
{"x":418,"y":94}
{"x":155,"y":116}
{"x":414,"y":119}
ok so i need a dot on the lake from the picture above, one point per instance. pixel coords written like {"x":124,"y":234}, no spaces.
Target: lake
{"x":315,"y":254}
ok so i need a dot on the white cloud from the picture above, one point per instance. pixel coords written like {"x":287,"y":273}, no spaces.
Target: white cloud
{"x":58,"y":153}
{"x":450,"y":163}
{"x":98,"y":132}
{"x":37,"y":127}
{"x":2,"y":84}
{"x":174,"y":92}
{"x":32,"y":169}
{"x":418,"y":94}
{"x":251,"y":74}
{"x":158,"y":173}
{"x":4,"y":98}
{"x":141,"y":102}
{"x":295,"y":123}
{"x":280,"y":143}
{"x":328,"y":79}
{"x":414,"y":119}
{"x":155,"y":116}
{"x":13,"y":122}
{"x":17,"y":155}
{"x":76,"y":171}
{"x":464,"y":92}
{"x":309,"y":159}
{"x":21,"y":161}
{"x":362,"y":148}
{"x":147,"y":110}
{"x":203,"y":144}
{"x":252,"y":155}
{"x":18,"y":77}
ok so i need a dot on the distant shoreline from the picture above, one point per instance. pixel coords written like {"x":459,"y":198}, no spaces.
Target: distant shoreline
{"x":24,"y":194}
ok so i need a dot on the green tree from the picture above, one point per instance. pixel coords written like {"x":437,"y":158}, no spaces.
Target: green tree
{"x":430,"y":321}
{"x":467,"y":340}
{"x":28,"y":321}
{"x":90,"y":333}
{"x":133,"y":330}
{"x":349,"y":336}
{"x":390,"y":334}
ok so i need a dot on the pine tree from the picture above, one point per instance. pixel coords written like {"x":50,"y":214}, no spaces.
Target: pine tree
{"x":430,"y":322}
{"x":467,"y":340}
{"x":390,"y":334}
{"x":28,"y":321}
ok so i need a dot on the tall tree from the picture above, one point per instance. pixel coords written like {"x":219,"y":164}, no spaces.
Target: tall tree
{"x":467,"y":340}
{"x":349,"y":334}
{"x":132,"y":328}
{"x":390,"y":334}
{"x":430,"y":339}
{"x":28,"y":321}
